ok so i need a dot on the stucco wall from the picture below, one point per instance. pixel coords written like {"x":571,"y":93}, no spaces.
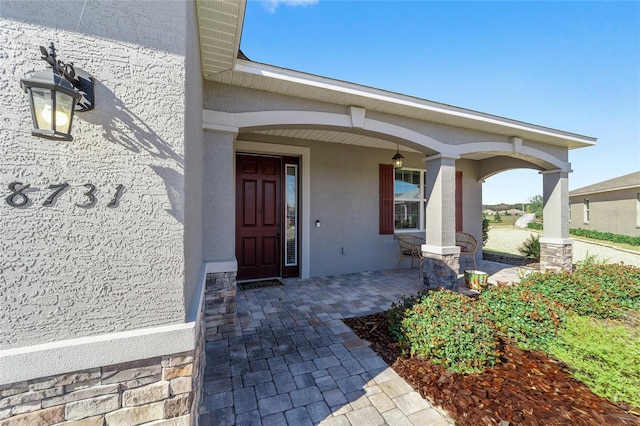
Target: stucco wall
{"x":219,"y":197}
{"x":613,"y":211}
{"x":193,"y":153}
{"x":67,"y":271}
{"x":345,"y":199}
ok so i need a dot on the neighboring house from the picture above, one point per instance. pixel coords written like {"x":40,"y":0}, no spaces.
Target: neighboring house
{"x":176,"y":186}
{"x":515,"y":212}
{"x":609,"y":206}
{"x":489,"y":212}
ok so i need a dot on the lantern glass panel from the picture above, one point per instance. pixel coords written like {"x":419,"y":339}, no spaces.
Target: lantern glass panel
{"x":64,"y":107}
{"x":42,"y":107}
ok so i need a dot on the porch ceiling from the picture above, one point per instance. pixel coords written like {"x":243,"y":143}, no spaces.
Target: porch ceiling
{"x":334,"y":136}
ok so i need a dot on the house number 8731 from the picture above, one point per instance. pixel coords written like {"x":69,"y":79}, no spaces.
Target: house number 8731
{"x":17,"y":197}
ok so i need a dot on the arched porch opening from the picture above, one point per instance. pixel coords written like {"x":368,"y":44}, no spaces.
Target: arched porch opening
{"x":348,"y":181}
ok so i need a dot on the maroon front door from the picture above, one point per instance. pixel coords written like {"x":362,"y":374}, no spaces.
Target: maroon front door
{"x":258,"y":216}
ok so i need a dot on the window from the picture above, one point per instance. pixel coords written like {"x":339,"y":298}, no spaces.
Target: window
{"x":402,"y":200}
{"x":638,"y":210}
{"x":586,"y":210}
{"x":408,"y":199}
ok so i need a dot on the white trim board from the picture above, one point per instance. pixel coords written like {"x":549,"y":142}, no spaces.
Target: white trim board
{"x":65,"y":356}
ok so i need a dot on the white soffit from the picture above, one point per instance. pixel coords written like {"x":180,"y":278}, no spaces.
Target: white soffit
{"x":335,"y":136}
{"x":219,"y":28}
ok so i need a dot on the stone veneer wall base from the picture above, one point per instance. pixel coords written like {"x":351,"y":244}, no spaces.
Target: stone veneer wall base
{"x":159,"y":390}
{"x":440,"y":270}
{"x":556,"y":257}
{"x":220,"y":304}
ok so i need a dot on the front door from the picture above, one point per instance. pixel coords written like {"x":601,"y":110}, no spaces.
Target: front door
{"x":258,"y":216}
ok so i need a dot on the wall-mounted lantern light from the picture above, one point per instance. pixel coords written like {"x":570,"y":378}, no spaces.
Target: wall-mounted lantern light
{"x":397,"y":159}
{"x":55,"y":94}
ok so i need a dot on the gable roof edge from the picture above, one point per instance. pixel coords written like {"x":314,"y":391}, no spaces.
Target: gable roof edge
{"x":353,"y":89}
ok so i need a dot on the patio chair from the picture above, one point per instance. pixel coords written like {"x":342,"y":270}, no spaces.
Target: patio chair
{"x":410,"y":246}
{"x":468,"y":245}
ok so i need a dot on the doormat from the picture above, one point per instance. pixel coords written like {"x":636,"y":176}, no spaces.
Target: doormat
{"x":259,"y":284}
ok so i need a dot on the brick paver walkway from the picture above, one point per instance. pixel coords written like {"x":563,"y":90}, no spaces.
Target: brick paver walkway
{"x":292,"y":361}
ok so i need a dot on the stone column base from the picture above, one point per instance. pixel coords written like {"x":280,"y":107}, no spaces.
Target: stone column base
{"x":556,"y":257}
{"x":220,"y":304}
{"x":440,"y":270}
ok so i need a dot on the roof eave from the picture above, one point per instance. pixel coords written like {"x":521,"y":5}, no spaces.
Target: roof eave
{"x":570,"y":140}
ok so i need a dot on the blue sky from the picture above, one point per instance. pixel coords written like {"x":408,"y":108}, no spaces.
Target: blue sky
{"x":569,"y":65}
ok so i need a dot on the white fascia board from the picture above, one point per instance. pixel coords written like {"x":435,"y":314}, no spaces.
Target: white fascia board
{"x":399,"y":99}
{"x":600,"y":191}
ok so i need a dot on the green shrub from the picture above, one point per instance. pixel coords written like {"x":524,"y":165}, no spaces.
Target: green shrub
{"x":605,"y":358}
{"x":530,"y":318}
{"x":485,"y":230}
{"x":397,"y":311}
{"x":447,"y":328}
{"x":461,"y":333}
{"x":603,"y":291}
{"x":531,"y":247}
{"x":605,"y":236}
{"x":535,"y":225}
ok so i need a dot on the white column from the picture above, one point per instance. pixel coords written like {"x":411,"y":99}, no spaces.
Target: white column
{"x":556,"y":248}
{"x":556,"y":206}
{"x":441,"y":256}
{"x":440,"y":187}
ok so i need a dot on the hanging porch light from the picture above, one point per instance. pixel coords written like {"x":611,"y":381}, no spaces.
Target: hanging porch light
{"x":397,"y":159}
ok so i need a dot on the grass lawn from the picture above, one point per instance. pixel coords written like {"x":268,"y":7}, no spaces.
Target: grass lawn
{"x":506,"y":221}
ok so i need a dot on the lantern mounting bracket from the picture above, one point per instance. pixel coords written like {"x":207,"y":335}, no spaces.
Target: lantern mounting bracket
{"x":76,"y":76}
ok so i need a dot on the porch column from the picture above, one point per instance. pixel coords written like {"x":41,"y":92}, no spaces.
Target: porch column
{"x":556,"y":248}
{"x":219,"y":234}
{"x":441,"y":255}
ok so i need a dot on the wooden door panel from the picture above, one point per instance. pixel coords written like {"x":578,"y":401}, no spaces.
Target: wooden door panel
{"x":258,"y":216}
{"x":269,"y":250}
{"x":270,"y":207}
{"x":248,"y":256}
{"x":250,"y":203}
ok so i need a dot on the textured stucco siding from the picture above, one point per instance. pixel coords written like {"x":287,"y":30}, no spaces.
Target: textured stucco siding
{"x":612,"y":211}
{"x":345,"y":199}
{"x":66,"y":271}
{"x":193,"y":153}
{"x":219,"y":198}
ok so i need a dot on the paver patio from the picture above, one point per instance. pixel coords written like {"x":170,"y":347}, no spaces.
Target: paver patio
{"x":292,"y":361}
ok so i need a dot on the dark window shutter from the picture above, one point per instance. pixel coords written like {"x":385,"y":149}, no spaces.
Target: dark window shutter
{"x":459,"y":207}
{"x":386,"y":199}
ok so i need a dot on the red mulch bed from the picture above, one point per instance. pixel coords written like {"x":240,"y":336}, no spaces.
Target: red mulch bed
{"x":525,"y":388}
